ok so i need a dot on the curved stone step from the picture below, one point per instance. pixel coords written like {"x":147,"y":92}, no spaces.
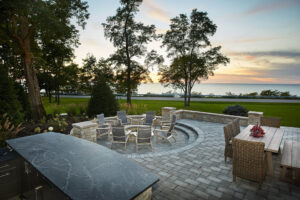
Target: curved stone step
{"x":192,"y":136}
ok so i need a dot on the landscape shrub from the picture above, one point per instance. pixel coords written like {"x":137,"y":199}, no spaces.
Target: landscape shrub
{"x":237,"y":110}
{"x":71,"y":110}
{"x":102,"y":100}
{"x":8,"y":98}
{"x":23,"y":99}
{"x":7,"y":129}
{"x":134,"y":109}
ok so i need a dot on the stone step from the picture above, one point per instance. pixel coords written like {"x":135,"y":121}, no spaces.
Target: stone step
{"x":191,"y":134}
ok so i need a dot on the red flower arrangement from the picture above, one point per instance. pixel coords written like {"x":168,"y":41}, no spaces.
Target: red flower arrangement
{"x":257,"y":131}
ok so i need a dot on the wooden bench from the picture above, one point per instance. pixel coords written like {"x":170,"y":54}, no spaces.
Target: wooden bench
{"x":291,"y":160}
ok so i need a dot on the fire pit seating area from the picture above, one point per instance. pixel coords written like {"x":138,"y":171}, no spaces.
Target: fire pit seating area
{"x":123,"y":128}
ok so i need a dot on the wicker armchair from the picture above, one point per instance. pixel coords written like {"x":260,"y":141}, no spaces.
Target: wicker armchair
{"x":248,"y":160}
{"x":122,"y":117}
{"x":236,"y":127}
{"x":144,"y":137}
{"x":228,"y":134}
{"x":119,"y":136}
{"x":270,"y":121}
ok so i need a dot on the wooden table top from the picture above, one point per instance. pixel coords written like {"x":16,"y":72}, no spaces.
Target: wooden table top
{"x":272,"y":138}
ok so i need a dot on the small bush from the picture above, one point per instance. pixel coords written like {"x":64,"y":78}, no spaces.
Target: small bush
{"x":102,"y":100}
{"x":134,"y":109}
{"x":71,"y":110}
{"x":237,"y":110}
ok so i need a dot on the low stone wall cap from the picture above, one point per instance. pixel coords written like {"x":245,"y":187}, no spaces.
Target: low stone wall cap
{"x":255,"y":112}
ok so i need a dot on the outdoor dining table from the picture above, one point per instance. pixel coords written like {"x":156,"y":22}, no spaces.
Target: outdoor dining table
{"x":272,"y":139}
{"x":82,"y":169}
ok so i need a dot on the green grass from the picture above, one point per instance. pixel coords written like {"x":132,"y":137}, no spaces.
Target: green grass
{"x":289,"y":112}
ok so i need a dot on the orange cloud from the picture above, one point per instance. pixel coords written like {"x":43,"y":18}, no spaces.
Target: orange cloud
{"x":155,"y":11}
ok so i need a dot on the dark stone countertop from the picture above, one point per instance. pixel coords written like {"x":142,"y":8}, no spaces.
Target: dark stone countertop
{"x":83,"y":169}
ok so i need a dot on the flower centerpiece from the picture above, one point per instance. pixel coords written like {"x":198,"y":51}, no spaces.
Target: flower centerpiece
{"x":257,"y":131}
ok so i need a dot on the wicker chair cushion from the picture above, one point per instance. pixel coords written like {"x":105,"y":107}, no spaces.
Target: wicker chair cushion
{"x":144,"y":135}
{"x":150,"y":115}
{"x":118,"y":134}
{"x":104,"y":128}
{"x":122,"y":115}
{"x":101,"y":119}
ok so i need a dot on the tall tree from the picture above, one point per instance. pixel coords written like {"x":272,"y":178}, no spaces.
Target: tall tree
{"x":93,"y":70}
{"x":26,"y":22}
{"x":130,"y":39}
{"x":194,"y":58}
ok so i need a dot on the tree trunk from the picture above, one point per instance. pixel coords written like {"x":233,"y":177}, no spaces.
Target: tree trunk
{"x":189,"y":95}
{"x":185,"y":93}
{"x":23,"y":39}
{"x":35,"y":99}
{"x":49,"y":96}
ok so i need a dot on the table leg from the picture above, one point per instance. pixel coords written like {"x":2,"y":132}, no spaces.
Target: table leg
{"x":270,"y":163}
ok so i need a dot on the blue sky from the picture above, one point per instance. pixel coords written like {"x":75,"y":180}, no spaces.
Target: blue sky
{"x":261,"y":37}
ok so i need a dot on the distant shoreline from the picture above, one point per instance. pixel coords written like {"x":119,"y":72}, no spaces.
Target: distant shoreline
{"x":199,"y":99}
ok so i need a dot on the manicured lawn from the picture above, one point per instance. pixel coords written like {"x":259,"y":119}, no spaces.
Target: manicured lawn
{"x":289,"y":112}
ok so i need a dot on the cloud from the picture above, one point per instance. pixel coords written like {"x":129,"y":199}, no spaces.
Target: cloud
{"x":271,"y":6}
{"x":156,"y":11}
{"x":256,"y":39}
{"x":266,"y":7}
{"x":261,"y":67}
{"x":255,"y":54}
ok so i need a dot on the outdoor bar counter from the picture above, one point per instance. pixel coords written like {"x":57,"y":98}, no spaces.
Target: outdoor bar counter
{"x":83,"y":169}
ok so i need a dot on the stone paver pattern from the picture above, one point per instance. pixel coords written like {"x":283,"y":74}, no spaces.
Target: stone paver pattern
{"x":201,"y":172}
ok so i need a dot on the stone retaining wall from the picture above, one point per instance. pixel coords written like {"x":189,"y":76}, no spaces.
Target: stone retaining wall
{"x":254,"y":117}
{"x":210,"y":117}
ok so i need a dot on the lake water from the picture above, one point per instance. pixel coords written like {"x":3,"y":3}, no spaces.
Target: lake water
{"x":222,"y":88}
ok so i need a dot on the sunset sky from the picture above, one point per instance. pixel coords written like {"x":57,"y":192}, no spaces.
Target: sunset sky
{"x":261,"y":37}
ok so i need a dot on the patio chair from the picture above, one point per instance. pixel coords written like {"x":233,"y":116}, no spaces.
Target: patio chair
{"x":119,"y":136}
{"x":101,"y":119}
{"x":270,"y":121}
{"x":228,"y":135}
{"x":248,"y":160}
{"x":144,"y":137}
{"x":104,"y":129}
{"x":149,"y":119}
{"x":236,"y":127}
{"x":166,"y":133}
{"x":122,"y":117}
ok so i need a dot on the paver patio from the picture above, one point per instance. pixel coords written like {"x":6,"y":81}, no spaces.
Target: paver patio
{"x":201,"y":173}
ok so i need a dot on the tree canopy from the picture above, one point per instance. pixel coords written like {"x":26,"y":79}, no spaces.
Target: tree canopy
{"x":29,"y":23}
{"x":129,"y":38}
{"x":193,"y":57}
